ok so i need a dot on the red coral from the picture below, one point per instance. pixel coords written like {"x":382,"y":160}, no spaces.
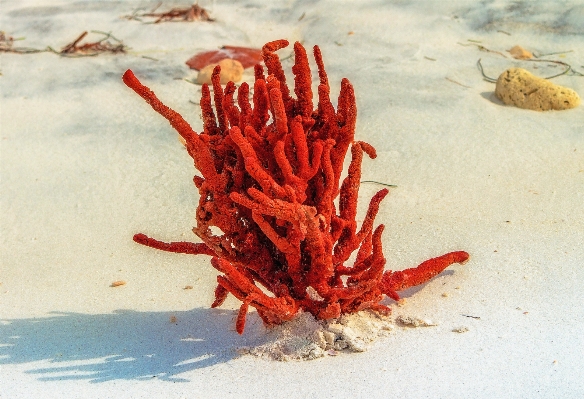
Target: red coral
{"x":270,"y":189}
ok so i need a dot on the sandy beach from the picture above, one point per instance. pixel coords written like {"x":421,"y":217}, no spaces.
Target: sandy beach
{"x":85,"y":164}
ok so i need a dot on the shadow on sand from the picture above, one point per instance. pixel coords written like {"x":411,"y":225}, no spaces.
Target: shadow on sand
{"x":492,"y":97}
{"x":125,"y":344}
{"x":130,"y":345}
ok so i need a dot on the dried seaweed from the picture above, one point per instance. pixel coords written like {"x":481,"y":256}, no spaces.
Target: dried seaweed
{"x":186,"y":14}
{"x":7,"y":45}
{"x":482,"y":48}
{"x":76,"y":49}
{"x":564,"y":72}
{"x":73,"y":49}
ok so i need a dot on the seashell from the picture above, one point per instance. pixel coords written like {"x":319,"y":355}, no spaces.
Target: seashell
{"x":231,"y":71}
{"x":247,"y":56}
{"x":520,"y":53}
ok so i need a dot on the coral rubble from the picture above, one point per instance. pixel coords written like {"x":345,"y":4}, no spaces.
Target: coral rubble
{"x":270,"y":174}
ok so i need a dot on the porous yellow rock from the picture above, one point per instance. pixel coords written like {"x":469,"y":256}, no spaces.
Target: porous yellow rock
{"x":231,"y":70}
{"x":518,"y":87}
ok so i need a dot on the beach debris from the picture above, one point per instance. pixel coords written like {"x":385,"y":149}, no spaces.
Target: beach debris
{"x":560,"y":53}
{"x":458,"y":83}
{"x":118,"y":283}
{"x":73,"y":49}
{"x":519,"y":53}
{"x":518,"y":87}
{"x":377,"y":182}
{"x":188,"y":287}
{"x":568,"y":69}
{"x":271,"y":181}
{"x":410,"y":321}
{"x":185,"y":14}
{"x":172,"y":319}
{"x":231,"y":71}
{"x":248,"y":57}
{"x":481,"y":47}
{"x":6,"y":42}
{"x":76,"y":49}
{"x":7,"y":45}
{"x":460,"y":330}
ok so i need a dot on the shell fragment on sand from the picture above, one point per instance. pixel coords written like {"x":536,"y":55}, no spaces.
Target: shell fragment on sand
{"x":247,"y":56}
{"x":519,"y":87}
{"x":231,"y":71}
{"x":520,"y":53}
{"x":410,"y":321}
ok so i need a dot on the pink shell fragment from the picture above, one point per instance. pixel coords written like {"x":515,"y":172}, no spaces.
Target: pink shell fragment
{"x":247,"y":56}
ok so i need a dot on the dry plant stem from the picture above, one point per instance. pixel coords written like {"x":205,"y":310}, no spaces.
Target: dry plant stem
{"x":7,"y":46}
{"x":485,"y":77}
{"x":70,"y":48}
{"x":554,"y":53}
{"x":568,"y":69}
{"x":270,"y":172}
{"x":458,"y":83}
{"x":75,"y":49}
{"x":483,"y":48}
{"x":377,"y":182}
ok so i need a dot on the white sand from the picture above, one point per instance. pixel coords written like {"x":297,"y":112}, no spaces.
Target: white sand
{"x":85,"y":164}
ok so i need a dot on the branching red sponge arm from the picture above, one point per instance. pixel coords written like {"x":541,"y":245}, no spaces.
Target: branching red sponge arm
{"x":175,"y":119}
{"x":180,"y":247}
{"x":198,"y":150}
{"x":274,"y":66}
{"x":302,"y":82}
{"x":401,"y":280}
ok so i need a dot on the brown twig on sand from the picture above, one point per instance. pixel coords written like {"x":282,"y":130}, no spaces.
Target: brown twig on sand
{"x":75,"y":49}
{"x":458,"y":83}
{"x":188,"y":14}
{"x":482,"y":48}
